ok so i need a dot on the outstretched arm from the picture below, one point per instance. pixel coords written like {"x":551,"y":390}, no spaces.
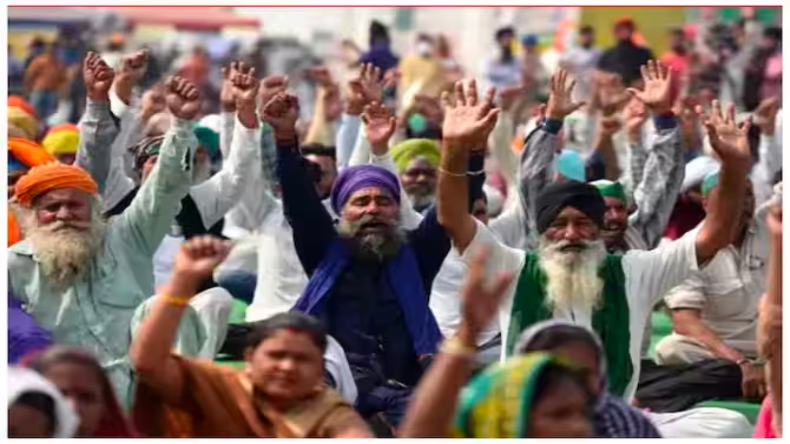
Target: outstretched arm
{"x":313,"y":229}
{"x":148,"y":219}
{"x":467,"y":125}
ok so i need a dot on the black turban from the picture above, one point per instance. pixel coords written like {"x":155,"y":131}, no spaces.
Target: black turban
{"x":578,"y":195}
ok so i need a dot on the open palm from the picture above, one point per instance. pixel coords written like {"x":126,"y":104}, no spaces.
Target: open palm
{"x":729,"y":142}
{"x":379,"y":124}
{"x":561,"y":102}
{"x":658,"y":80}
{"x":468,"y":121}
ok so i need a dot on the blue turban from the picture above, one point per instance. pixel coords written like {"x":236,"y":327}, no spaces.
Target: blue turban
{"x":355,"y":178}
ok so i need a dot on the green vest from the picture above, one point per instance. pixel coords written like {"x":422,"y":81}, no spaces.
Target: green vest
{"x":610,"y":321}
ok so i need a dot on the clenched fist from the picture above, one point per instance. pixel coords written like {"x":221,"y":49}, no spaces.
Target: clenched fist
{"x":281,"y":113}
{"x":98,"y":77}
{"x":183,"y":99}
{"x":198,"y":258}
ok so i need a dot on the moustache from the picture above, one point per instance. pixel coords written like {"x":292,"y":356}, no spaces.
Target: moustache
{"x":565,"y":246}
{"x":60,"y":225}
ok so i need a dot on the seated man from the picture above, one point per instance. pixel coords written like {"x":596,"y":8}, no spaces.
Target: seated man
{"x":714,"y":312}
{"x":82,"y":278}
{"x":369,"y":278}
{"x":571,"y":276}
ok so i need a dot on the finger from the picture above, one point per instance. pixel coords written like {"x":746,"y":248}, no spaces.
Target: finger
{"x":747,"y":125}
{"x":392,"y":124}
{"x":491,"y":117}
{"x":376,"y":74}
{"x":716,"y":110}
{"x":571,"y":86}
{"x":576,"y":106}
{"x":645,"y":73}
{"x":472,"y":93}
{"x":664,"y":71}
{"x":730,"y":119}
{"x":460,"y":97}
{"x":445,"y":100}
{"x":553,"y":83}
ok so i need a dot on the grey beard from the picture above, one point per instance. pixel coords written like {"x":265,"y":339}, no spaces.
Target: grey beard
{"x":375,"y":246}
{"x":572,"y":277}
{"x":421,"y":202}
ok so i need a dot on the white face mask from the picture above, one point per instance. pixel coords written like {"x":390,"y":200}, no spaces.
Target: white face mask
{"x":424,"y":49}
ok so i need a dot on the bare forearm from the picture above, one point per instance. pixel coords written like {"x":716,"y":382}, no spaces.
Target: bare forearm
{"x":605,"y":145}
{"x":719,"y":227}
{"x":453,"y":195}
{"x":696,"y":329}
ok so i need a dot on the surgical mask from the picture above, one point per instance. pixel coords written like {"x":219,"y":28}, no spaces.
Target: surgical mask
{"x":424,"y":49}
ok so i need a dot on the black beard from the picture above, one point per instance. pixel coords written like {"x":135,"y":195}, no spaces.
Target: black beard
{"x":373,"y":247}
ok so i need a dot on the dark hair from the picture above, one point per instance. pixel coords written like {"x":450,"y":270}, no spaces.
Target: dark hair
{"x":774,"y":33}
{"x":44,"y":404}
{"x":557,"y":336}
{"x":378,"y":32}
{"x":292,"y":320}
{"x":552,"y":375}
{"x":505,"y":32}
{"x":317,"y":149}
{"x":63,"y":354}
{"x":586,"y":29}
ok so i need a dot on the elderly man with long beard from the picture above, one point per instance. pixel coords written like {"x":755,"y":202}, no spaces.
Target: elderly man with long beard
{"x":369,"y":278}
{"x":83,"y":278}
{"x":571,"y":276}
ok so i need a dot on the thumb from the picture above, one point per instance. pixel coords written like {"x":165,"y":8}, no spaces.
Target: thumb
{"x":634,"y":93}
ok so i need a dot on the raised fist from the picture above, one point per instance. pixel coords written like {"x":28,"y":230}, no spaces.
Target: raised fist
{"x":245,"y":85}
{"x":98,"y":77}
{"x":183,"y":99}
{"x":199,"y":256}
{"x":134,"y":66}
{"x":281,"y":113}
{"x":270,"y":87}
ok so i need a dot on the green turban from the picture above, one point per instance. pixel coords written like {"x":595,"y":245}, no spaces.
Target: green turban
{"x":209,"y":139}
{"x":711,"y":180}
{"x":405,"y":152}
{"x":607,"y":188}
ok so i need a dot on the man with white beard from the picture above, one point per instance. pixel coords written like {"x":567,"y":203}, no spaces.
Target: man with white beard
{"x":83,"y":278}
{"x":571,"y":276}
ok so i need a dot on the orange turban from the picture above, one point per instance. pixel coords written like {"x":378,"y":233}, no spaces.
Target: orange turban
{"x":21,"y":103}
{"x":52,"y":176}
{"x":28,"y":153}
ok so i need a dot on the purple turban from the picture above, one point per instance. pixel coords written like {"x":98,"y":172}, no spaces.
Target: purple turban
{"x":355,"y":178}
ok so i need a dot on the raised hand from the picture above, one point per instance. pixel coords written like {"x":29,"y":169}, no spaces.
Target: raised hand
{"x":468,"y":122}
{"x":270,"y":87}
{"x":98,"y":77}
{"x":366,"y":88}
{"x":198,"y":257}
{"x":611,"y":93}
{"x":609,"y":126}
{"x":775,"y":220}
{"x":379,"y":126}
{"x":765,"y":115}
{"x":730,"y":143}
{"x":480,"y":301}
{"x":183,"y":99}
{"x":634,"y":116}
{"x":245,"y":91}
{"x":509,"y":95}
{"x":133,"y":68}
{"x":657,"y":94}
{"x":281,"y":113}
{"x":320,"y":75}
{"x":227,"y":99}
{"x":561,"y":102}
{"x":333,"y":105}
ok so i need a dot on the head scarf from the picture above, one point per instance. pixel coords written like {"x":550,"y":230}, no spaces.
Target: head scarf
{"x":613,"y":417}
{"x":21,"y":103}
{"x":212,"y":122}
{"x":697,"y":170}
{"x":711,"y":180}
{"x":570,"y":165}
{"x":24,"y":121}
{"x":355,"y":178}
{"x":497,"y":402}
{"x":146,"y":148}
{"x":607,"y":188}
{"x":62,"y":139}
{"x":208,"y":139}
{"x":578,"y":195}
{"x":22,"y":380}
{"x":53,"y":176}
{"x":405,"y":152}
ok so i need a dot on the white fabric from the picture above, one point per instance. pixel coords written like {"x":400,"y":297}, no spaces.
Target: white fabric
{"x":22,"y":380}
{"x":648,"y":275}
{"x":581,"y":63}
{"x":696,"y":170}
{"x":702,"y":422}
{"x":728,"y":290}
{"x":213,"y":308}
{"x":336,"y":364}
{"x":164,"y":259}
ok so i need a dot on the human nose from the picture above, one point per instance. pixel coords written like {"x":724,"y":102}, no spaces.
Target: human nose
{"x":572,"y":232}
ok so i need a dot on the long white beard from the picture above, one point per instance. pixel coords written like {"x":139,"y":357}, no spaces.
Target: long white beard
{"x":572,"y":280}
{"x":64,"y":251}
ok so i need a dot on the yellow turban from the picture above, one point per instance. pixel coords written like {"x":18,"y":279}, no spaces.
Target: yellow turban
{"x":24,"y":121}
{"x":404,"y":152}
{"x":52,"y":176}
{"x":62,"y":139}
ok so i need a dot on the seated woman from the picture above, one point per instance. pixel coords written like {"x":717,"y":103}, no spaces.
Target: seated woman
{"x":613,"y":418}
{"x":81,"y":380}
{"x":280,"y":394}
{"x":35,"y":407}
{"x":534,"y":395}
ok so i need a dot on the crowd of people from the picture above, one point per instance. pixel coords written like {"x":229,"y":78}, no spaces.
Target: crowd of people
{"x":427,"y":255}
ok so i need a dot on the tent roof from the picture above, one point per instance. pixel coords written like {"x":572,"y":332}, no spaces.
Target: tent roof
{"x":196,"y":18}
